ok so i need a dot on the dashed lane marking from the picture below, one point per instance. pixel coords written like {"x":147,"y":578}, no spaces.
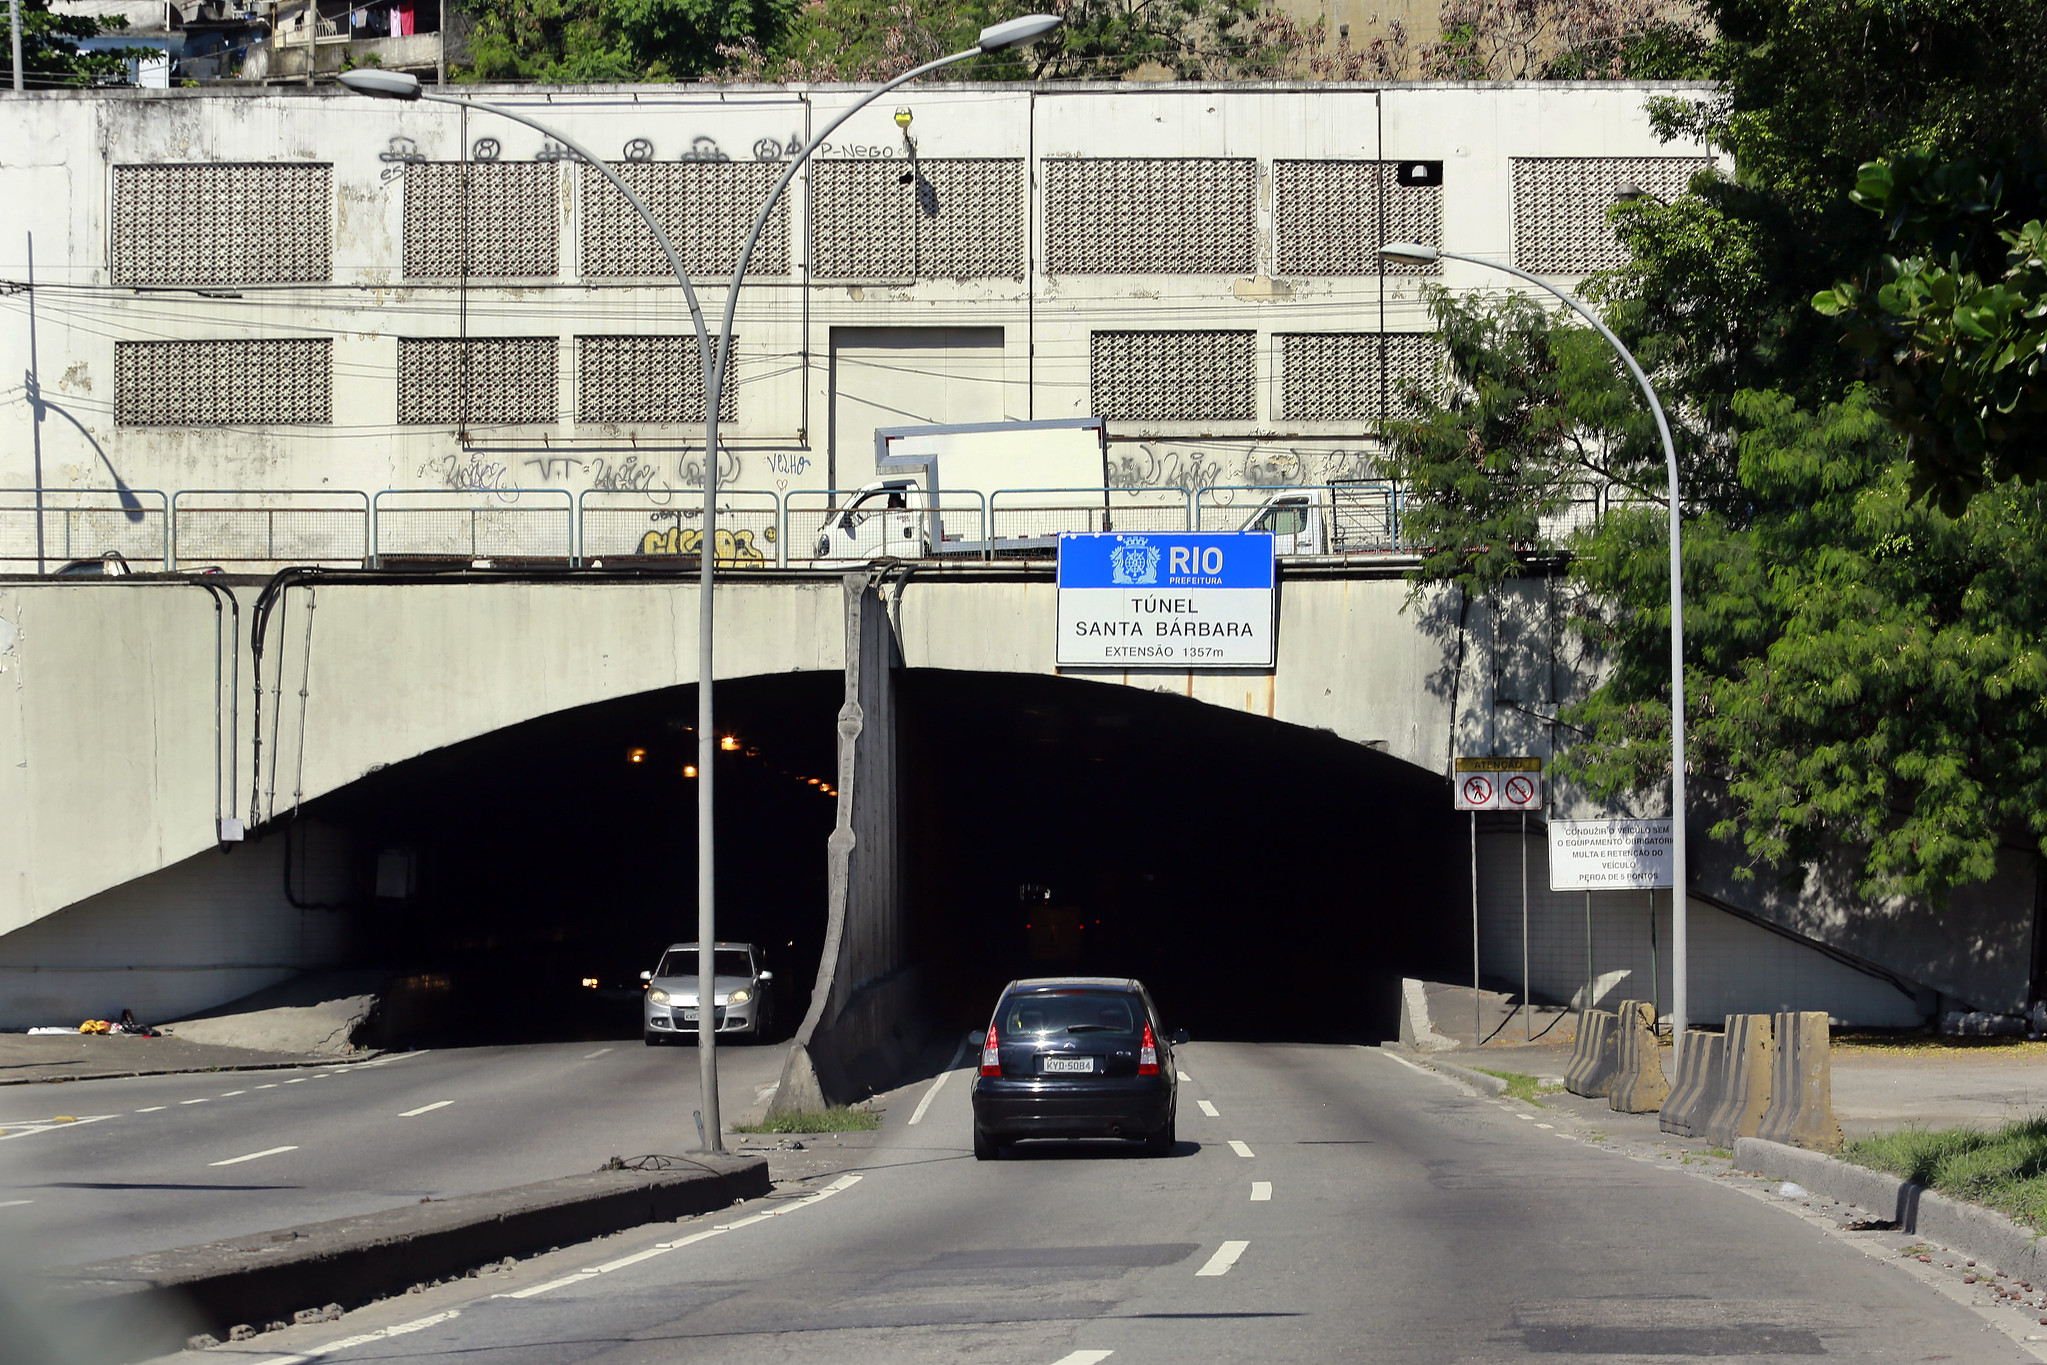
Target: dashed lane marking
{"x":152,"y":1109}
{"x":1261,"y":1191}
{"x":14,"y":1203}
{"x":958,"y":1055}
{"x":1225,"y":1256}
{"x":1208,"y":1109}
{"x":1185,"y":1077}
{"x":1526,"y":1118}
{"x":1239,"y":1148}
{"x":268,"y":1085}
{"x":238,"y":1160}
{"x":1084,"y":1358}
{"x":201,"y":1100}
{"x":346,"y":1343}
{"x":230,"y":1094}
{"x":295,"y":1080}
{"x":1545,"y":1125}
{"x":425,"y":1109}
{"x":844,"y":1182}
{"x":598,"y":1053}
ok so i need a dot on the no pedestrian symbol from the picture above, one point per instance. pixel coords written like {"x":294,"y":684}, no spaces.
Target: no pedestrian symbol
{"x":1498,"y":784}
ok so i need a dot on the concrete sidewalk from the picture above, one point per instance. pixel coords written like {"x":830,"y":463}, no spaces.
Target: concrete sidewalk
{"x":26,"y":1059}
{"x":1916,"y":1082}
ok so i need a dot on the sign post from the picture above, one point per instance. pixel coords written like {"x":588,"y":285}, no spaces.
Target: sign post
{"x":1496,"y":784}
{"x":1612,"y":855}
{"x":1166,"y":600}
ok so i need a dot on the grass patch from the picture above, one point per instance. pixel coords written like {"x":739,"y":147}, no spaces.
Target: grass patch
{"x":1720,"y":1152}
{"x":1522,"y":1086}
{"x":2004,"y":1168}
{"x":1923,"y":1044}
{"x":840,"y":1118}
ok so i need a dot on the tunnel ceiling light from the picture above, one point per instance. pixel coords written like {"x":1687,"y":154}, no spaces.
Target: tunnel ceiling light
{"x":689,"y":770}
{"x":729,"y":743}
{"x":636,"y":755}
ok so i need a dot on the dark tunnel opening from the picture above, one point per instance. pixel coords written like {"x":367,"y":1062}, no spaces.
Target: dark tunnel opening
{"x":1264,"y":880}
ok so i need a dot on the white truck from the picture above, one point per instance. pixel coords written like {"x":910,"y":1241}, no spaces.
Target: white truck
{"x":936,"y":480}
{"x":1354,"y":517}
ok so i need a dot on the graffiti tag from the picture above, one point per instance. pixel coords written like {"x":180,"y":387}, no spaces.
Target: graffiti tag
{"x":399,"y":153}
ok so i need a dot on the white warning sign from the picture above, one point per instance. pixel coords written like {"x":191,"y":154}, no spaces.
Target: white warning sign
{"x":1609,"y":855}
{"x":1498,"y":784}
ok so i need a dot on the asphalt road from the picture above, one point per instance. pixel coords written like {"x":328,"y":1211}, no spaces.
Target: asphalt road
{"x":166,"y":1161}
{"x":1337,"y":1205}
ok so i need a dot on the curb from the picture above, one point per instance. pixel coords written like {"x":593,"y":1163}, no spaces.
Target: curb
{"x":1492,"y":1085}
{"x":163,"y":1297}
{"x":1970,"y":1228}
{"x":368,"y":1055}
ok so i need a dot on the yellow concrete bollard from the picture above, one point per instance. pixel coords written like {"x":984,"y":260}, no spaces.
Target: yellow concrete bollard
{"x":1801,"y":1111}
{"x":1701,"y":1074}
{"x":1639,"y":1085}
{"x":1745,"y":1087}
{"x":1593,"y":1060}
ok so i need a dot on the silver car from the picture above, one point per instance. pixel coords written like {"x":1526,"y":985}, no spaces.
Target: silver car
{"x":743,"y":996}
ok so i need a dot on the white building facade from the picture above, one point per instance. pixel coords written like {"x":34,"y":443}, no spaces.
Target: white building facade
{"x":305,"y":302}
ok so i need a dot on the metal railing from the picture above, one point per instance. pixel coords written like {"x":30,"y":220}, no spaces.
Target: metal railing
{"x":901,"y":523}
{"x":620,"y":525}
{"x":1356,"y":517}
{"x":1026,"y":523}
{"x":41,"y":530}
{"x":516,"y":524}
{"x":263,"y":530}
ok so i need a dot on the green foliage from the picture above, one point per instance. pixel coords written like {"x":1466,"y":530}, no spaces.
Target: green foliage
{"x":837,"y":1119}
{"x":50,"y":55}
{"x":1956,"y":333}
{"x":614,"y":41}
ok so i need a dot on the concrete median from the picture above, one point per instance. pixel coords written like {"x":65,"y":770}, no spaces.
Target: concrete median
{"x":1596,"y":1055}
{"x":1745,"y":1081}
{"x":162,"y":1297}
{"x":1701,"y":1074}
{"x":1801,"y":1112}
{"x":1638,"y":1085}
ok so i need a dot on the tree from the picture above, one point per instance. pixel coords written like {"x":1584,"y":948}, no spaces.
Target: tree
{"x":605,"y":41}
{"x":51,"y":56}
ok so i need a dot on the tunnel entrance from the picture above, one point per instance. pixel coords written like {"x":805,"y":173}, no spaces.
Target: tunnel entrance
{"x":513,"y":871}
{"x":1265,"y":881}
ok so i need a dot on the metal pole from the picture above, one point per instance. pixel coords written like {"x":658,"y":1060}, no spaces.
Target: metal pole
{"x":1655,"y":989}
{"x":1477,"y":1036}
{"x":1527,"y":1000}
{"x":1679,"y":939}
{"x":1588,"y":953}
{"x":312,"y":37}
{"x":14,"y":24}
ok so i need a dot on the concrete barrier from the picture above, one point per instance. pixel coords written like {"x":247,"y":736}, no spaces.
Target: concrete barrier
{"x":1701,"y":1073}
{"x":1639,"y":1085}
{"x":1745,"y":1081}
{"x":162,"y":1297}
{"x":1594,"y":1058}
{"x":1801,"y":1112}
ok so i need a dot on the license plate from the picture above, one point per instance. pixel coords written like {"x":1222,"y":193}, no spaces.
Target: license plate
{"x":1069,"y":1064}
{"x":689,"y":1016}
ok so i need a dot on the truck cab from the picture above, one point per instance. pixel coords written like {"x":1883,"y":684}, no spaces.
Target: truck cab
{"x":885,"y":518}
{"x":1295,"y":522}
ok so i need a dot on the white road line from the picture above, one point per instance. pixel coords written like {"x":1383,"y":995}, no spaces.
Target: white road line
{"x":152,"y":1109}
{"x":1239,"y":1148}
{"x":268,"y":1085}
{"x":1261,"y":1191}
{"x":1526,"y":1118}
{"x":844,"y":1182}
{"x":201,"y":1100}
{"x":295,"y":1080}
{"x":959,"y":1054}
{"x":1084,"y":1358}
{"x":238,"y":1160}
{"x":1185,"y":1077}
{"x":230,"y":1094}
{"x":1544,"y":1125}
{"x":381,"y":1334}
{"x":598,"y":1053}
{"x":14,"y":1203}
{"x":1208,"y":1109}
{"x":1225,"y":1256}
{"x":425,"y":1109}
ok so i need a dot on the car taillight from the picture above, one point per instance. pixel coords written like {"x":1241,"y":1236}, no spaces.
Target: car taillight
{"x":991,"y":1055}
{"x":1148,"y":1054}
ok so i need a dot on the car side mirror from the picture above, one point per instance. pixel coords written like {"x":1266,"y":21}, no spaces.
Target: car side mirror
{"x":1180,"y":1036}
{"x":646,"y":976}
{"x":767,"y":976}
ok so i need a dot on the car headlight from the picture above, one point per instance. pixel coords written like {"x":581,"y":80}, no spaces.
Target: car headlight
{"x":739,"y":997}
{"x":658,"y":996}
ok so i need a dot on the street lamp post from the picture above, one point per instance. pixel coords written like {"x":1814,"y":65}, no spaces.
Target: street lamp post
{"x":1415,"y":253}
{"x":713,"y":356}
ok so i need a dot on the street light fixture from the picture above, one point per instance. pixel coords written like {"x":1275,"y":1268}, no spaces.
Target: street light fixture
{"x":714,"y":356}
{"x":1417,"y":253}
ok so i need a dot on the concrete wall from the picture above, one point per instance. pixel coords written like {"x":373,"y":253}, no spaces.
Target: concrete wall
{"x":209,"y":928}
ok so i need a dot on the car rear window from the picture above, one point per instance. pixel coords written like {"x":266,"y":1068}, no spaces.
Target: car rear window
{"x":1078,"y":1011}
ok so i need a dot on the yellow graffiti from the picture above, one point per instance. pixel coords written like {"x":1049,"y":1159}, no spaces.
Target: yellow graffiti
{"x":735,"y":548}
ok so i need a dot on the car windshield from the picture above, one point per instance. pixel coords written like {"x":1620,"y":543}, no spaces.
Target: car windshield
{"x":1076,"y":1011}
{"x":683,"y":962}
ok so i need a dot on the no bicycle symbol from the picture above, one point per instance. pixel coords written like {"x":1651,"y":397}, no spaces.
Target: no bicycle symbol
{"x":1499,"y":786}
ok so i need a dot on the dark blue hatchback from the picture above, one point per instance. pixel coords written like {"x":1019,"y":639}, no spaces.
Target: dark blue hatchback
{"x":1075,"y":1057}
